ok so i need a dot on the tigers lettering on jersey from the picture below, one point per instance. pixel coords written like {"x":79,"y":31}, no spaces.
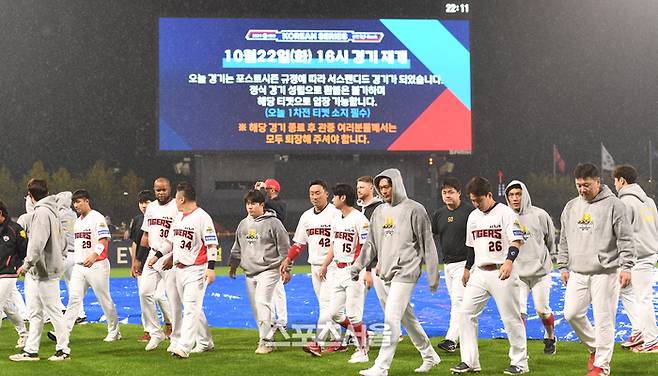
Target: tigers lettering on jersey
{"x":488,"y":233}
{"x":166,"y":223}
{"x":323,"y":231}
{"x":349,"y":236}
{"x":83,"y":235}
{"x":188,"y":234}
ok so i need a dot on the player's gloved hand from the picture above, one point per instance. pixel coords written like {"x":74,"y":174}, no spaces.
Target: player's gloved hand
{"x":210,"y":276}
{"x":466,"y":276}
{"x":367,"y":279}
{"x":134,"y":269}
{"x":232,"y":271}
{"x":167,"y":263}
{"x":283,"y":268}
{"x":89,"y":261}
{"x":323,"y":272}
{"x":505,"y":270}
{"x":286,"y":277}
{"x":564,"y":276}
{"x":624,"y":279}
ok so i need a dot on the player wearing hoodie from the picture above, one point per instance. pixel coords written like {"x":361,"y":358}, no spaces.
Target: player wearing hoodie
{"x":534,"y":263}
{"x":399,"y":240}
{"x":595,"y":256}
{"x":638,"y":297}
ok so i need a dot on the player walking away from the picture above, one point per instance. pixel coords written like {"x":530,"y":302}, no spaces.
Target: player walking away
{"x":449,"y":224}
{"x":271,"y":189}
{"x":348,"y":233}
{"x":314,"y":230}
{"x":638,"y":296}
{"x":156,"y":227}
{"x":44,"y":265}
{"x":400,"y":238}
{"x":12,"y":252}
{"x":534,"y":263}
{"x":92,"y":268}
{"x":596,"y":241}
{"x":139,"y":256}
{"x":495,"y":235}
{"x":261,"y":243}
{"x":193,"y":243}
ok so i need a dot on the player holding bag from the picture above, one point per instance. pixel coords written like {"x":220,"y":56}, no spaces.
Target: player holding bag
{"x":261,"y":243}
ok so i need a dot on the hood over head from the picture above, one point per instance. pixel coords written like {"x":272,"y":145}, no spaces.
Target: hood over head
{"x":525,"y":195}
{"x":399,"y":192}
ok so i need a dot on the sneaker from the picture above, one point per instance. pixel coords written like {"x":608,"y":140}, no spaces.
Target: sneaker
{"x":633,"y":340}
{"x":59,"y":356}
{"x":313,"y":348}
{"x":514,"y":370}
{"x":180,"y":353}
{"x":264,"y":349}
{"x":549,"y":346}
{"x":447,"y":345}
{"x":52,"y":336}
{"x":360,"y":356}
{"x":428,"y":364}
{"x":335,"y":346}
{"x":590,"y":362}
{"x":463,"y":368}
{"x":374,"y":371}
{"x":200,"y":349}
{"x":111,"y":337}
{"x":24,"y":357}
{"x":153,"y":343}
{"x":647,"y":348}
{"x":145,"y":338}
{"x":21,"y":342}
{"x":596,"y":371}
{"x":81,"y":321}
{"x":168,"y":330}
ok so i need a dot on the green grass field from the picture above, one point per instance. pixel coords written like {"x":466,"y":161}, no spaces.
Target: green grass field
{"x":234,"y":355}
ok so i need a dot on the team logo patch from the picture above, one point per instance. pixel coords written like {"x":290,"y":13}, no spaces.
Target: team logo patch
{"x":524,"y":232}
{"x":5,"y":238}
{"x":585,"y":222}
{"x":252,"y":237}
{"x":23,"y":234}
{"x":389,"y":226}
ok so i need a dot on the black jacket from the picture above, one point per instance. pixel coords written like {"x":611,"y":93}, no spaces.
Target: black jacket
{"x":13,"y":246}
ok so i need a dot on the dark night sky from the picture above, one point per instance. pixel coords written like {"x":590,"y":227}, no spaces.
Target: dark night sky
{"x":78,"y":78}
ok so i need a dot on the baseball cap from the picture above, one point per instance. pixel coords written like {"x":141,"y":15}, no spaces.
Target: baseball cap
{"x":271,"y":183}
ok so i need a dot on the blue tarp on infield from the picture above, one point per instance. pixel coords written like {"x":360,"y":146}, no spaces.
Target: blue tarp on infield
{"x":227,"y":306}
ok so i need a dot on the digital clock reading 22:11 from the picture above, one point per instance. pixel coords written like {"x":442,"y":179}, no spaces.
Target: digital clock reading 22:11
{"x":457,"y":8}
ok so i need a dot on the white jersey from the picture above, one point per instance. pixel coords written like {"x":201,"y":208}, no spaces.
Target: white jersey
{"x":88,"y":230}
{"x":491,"y":233}
{"x":157,"y":221}
{"x":191,"y":233}
{"x":348,"y":234}
{"x":314,"y":231}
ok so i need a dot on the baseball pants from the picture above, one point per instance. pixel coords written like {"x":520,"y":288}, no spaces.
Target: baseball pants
{"x":98,"y":278}
{"x":7,"y":287}
{"x":202,"y":336}
{"x":637,"y":299}
{"x":348,"y":297}
{"x":68,"y":270}
{"x":148,"y":294}
{"x":43,"y":298}
{"x":454,"y":272}
{"x":398,"y":311}
{"x":541,"y":293}
{"x":482,"y":285}
{"x":191,"y":285}
{"x":261,"y":288}
{"x":602,"y":291}
{"x":160,"y":299}
{"x":280,"y":312}
{"x":323,"y":291}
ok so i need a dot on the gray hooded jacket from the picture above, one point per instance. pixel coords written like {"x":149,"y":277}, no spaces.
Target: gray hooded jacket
{"x":260,"y":244}
{"x":46,"y":241}
{"x":400,"y":238}
{"x":534,"y":258}
{"x":643,"y":218}
{"x":596,"y":236}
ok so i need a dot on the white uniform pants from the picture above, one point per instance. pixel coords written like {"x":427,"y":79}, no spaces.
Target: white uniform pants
{"x":261,"y":289}
{"x":7,"y":297}
{"x":602,"y":291}
{"x":638,"y":299}
{"x":454,"y":272}
{"x":482,"y":285}
{"x":399,"y":311}
{"x":348,"y":297}
{"x":43,"y":299}
{"x":148,"y":294}
{"x":98,"y":278}
{"x":160,"y":299}
{"x":68,"y":271}
{"x":280,"y":312}
{"x":191,"y":285}
{"x":323,"y":291}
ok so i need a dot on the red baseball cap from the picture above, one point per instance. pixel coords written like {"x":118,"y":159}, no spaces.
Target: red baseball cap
{"x":271,"y":183}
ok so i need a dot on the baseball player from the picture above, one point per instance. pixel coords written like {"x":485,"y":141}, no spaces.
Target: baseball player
{"x":534,"y":263}
{"x":638,"y":296}
{"x":158,"y":217}
{"x":596,"y":241}
{"x":192,"y":242}
{"x":12,"y":252}
{"x":92,"y":268}
{"x":400,"y":238}
{"x":494,"y":233}
{"x":348,"y":234}
{"x":261,"y":243}
{"x":449,"y":224}
{"x":314,"y":230}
